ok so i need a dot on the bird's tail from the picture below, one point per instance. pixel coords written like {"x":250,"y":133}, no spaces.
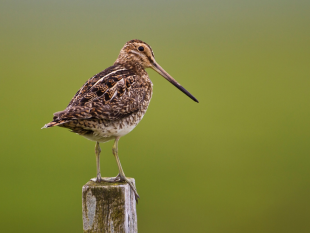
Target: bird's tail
{"x":54,"y":123}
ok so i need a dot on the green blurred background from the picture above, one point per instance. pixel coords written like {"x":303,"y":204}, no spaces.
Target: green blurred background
{"x":236,"y":162}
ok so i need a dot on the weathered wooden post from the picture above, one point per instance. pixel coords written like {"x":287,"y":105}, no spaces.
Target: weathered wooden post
{"x":109,"y":208}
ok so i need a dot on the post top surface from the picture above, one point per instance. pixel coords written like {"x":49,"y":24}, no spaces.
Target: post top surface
{"x":91,"y":183}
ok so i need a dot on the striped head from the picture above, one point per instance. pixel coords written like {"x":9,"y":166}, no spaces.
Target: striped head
{"x":139,"y":53}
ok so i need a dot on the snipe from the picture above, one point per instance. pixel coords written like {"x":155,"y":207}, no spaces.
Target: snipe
{"x":111,"y":103}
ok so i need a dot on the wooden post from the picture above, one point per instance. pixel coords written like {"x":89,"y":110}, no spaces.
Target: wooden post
{"x":109,"y":208}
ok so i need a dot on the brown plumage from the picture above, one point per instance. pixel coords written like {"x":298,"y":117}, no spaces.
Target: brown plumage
{"x":111,"y":103}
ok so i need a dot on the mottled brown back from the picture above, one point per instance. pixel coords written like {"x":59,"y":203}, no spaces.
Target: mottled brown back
{"x":111,"y":94}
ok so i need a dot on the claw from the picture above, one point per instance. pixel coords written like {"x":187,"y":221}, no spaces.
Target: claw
{"x":98,"y":179}
{"x":133,"y":189}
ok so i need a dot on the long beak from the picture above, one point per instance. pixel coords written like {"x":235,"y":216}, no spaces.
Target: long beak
{"x":163,"y":73}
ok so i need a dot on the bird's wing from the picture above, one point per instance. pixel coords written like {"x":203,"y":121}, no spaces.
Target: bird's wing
{"x":112,"y":94}
{"x":91,"y":82}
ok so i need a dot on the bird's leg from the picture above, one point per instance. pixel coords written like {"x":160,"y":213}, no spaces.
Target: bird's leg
{"x":99,"y":178}
{"x":121,"y":172}
{"x":121,"y":176}
{"x":97,"y":151}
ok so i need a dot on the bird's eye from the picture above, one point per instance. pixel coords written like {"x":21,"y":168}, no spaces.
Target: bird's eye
{"x":141,"y":48}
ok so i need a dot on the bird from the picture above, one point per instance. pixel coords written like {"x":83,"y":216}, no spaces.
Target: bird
{"x":111,"y":103}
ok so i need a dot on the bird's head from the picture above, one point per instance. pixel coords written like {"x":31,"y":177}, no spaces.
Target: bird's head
{"x":137,"y":52}
{"x":140,"y":53}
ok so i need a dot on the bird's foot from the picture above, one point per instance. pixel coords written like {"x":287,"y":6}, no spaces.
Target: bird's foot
{"x":98,"y":179}
{"x":120,"y":178}
{"x":113,"y":179}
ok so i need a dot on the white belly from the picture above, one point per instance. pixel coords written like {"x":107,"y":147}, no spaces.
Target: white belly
{"x":104,"y":133}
